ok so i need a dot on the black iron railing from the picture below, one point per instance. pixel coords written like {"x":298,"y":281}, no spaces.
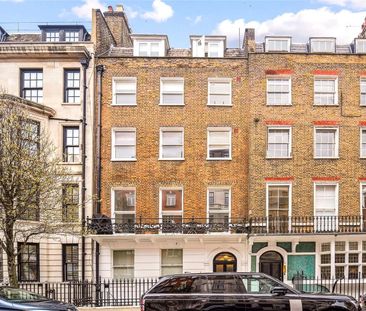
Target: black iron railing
{"x":352,"y":286}
{"x":253,"y":225}
{"x":124,"y":292}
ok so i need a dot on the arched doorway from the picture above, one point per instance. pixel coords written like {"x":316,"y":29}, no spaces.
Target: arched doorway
{"x":224,"y":262}
{"x":271,"y":263}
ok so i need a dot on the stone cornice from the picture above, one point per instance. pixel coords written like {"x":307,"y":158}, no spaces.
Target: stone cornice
{"x":44,"y":50}
{"x":33,"y":106}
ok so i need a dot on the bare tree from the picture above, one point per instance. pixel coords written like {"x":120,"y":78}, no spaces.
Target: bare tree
{"x":31,"y":182}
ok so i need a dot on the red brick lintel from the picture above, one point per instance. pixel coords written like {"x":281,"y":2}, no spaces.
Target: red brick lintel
{"x":326,"y":122}
{"x":325,"y":72}
{"x":363,"y":73}
{"x":279,"y":178}
{"x":362,"y":123}
{"x":326,"y":178}
{"x":362,"y":179}
{"x":279,"y":72}
{"x":279,"y":122}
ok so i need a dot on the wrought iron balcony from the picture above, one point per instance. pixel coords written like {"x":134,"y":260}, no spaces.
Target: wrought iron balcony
{"x":253,"y":225}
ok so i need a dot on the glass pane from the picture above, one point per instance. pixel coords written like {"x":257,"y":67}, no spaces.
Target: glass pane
{"x":220,"y":88}
{"x":220,"y":99}
{"x":125,"y":138}
{"x":126,"y":99}
{"x":219,"y":137}
{"x":171,"y":257}
{"x":219,"y":199}
{"x":172,"y":86}
{"x":123,"y":258}
{"x":172,"y":152}
{"x":173,"y":99}
{"x":125,"y":152}
{"x":124,"y":200}
{"x":172,"y":138}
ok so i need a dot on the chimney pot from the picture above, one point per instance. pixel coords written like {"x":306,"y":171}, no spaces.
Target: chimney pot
{"x":110,"y":9}
{"x":119,"y":8}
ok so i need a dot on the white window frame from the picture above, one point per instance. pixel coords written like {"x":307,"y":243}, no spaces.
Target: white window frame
{"x":223,"y":187}
{"x":362,"y":184}
{"x":161,"y":259}
{"x":314,"y":40}
{"x":209,"y":48}
{"x":275,"y":184}
{"x":161,"y":90}
{"x":362,"y":80}
{"x":326,"y":183}
{"x":134,"y":259}
{"x":320,"y":77}
{"x":223,"y":80}
{"x":115,"y":80}
{"x":279,"y":77}
{"x":357,"y":48}
{"x":170,"y":213}
{"x":362,"y":156}
{"x":170,"y":129}
{"x":159,"y":42}
{"x":123,"y":129}
{"x":336,"y":156}
{"x":113,"y":201}
{"x":267,"y":49}
{"x":219,"y":129}
{"x":289,"y":128}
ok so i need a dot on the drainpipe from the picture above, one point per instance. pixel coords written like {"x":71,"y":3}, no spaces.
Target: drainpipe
{"x":85,"y":64}
{"x":100,"y":70}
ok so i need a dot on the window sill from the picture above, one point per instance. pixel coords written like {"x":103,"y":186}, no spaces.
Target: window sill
{"x":71,"y":104}
{"x":218,"y":159}
{"x":332,"y":158}
{"x":278,"y":105}
{"x":323,"y":105}
{"x":171,"y":159}
{"x":278,"y":158}
{"x":123,"y":160}
{"x":213,"y":105}
{"x":180,"y":105}
{"x":123,"y":105}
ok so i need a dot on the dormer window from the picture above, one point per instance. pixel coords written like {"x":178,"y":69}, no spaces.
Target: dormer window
{"x":150,"y":45}
{"x":52,"y":36}
{"x":278,"y":44}
{"x":148,"y":49}
{"x":72,"y":36}
{"x":64,"y":33}
{"x":360,"y":46}
{"x":322,"y":45}
{"x":208,"y":46}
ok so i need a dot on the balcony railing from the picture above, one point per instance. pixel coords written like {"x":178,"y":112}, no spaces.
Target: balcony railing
{"x":253,"y":225}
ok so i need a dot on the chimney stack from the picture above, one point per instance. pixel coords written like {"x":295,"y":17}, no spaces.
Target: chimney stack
{"x":110,"y":9}
{"x":249,"y":41}
{"x":119,"y":8}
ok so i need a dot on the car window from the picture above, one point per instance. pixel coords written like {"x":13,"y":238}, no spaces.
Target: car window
{"x":223,"y":284}
{"x":16,"y":294}
{"x":257,"y":284}
{"x":175,"y":285}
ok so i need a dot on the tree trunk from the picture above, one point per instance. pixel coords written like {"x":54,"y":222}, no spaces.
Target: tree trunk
{"x":11,"y":253}
{"x":12,"y":268}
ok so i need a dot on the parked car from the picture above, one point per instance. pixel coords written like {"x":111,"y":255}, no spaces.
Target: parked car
{"x":20,"y":299}
{"x":314,"y":289}
{"x":236,"y":292}
{"x":363,"y":302}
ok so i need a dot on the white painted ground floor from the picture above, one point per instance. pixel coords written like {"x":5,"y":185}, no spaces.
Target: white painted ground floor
{"x":52,"y":259}
{"x":281,"y":256}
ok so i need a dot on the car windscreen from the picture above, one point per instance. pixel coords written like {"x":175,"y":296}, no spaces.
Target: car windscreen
{"x":19,"y":295}
{"x":175,"y":285}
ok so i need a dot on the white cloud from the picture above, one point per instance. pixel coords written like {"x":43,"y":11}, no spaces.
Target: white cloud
{"x":344,"y":25}
{"x":84,"y":11}
{"x":358,"y":4}
{"x":131,"y":13}
{"x":160,"y":13}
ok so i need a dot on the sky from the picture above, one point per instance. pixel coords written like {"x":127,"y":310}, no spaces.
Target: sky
{"x":180,"y":18}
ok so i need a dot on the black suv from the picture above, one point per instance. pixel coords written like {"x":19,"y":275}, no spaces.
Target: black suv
{"x":234,"y":292}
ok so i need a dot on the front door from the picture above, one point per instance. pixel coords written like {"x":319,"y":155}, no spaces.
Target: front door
{"x":271,"y":263}
{"x":224,"y":262}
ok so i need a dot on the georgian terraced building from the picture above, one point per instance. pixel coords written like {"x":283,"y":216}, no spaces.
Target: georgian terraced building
{"x":219,"y":159}
{"x":51,"y":75}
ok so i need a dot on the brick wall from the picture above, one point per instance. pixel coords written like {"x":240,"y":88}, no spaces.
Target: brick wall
{"x":303,"y":169}
{"x":195,"y":173}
